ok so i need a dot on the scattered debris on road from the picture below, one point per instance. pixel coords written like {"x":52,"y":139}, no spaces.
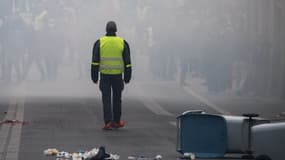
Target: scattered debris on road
{"x":50,"y":152}
{"x":190,"y":156}
{"x":13,"y":122}
{"x":157,"y":157}
{"x":94,"y":154}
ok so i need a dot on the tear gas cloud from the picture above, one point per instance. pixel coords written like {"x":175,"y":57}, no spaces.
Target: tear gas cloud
{"x":222,"y":45}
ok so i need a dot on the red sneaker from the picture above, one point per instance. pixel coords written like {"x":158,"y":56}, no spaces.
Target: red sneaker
{"x":118,"y":125}
{"x":108,"y":126}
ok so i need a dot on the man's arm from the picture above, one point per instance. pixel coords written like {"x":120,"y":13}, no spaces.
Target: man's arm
{"x":127,"y":62}
{"x":95,"y":61}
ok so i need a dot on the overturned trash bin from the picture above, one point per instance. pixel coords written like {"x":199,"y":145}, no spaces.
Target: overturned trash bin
{"x":204,"y":135}
{"x":239,"y":132}
{"x":268,"y":141}
{"x":214,"y":136}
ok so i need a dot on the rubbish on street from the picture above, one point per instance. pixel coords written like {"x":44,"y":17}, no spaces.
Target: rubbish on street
{"x":190,"y":156}
{"x":91,"y":153}
{"x":50,"y":152}
{"x":157,"y":157}
{"x":94,"y":154}
{"x":63,"y":154}
{"x":77,"y":156}
{"x":13,"y":122}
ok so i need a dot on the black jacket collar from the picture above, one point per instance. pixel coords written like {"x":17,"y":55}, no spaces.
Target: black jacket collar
{"x":110,"y":34}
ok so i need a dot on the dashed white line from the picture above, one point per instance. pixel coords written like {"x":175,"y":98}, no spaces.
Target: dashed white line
{"x":173,"y":123}
{"x":10,"y":135}
{"x":152,"y":105}
{"x":207,"y":102}
{"x":14,"y":144}
{"x":6,"y":129}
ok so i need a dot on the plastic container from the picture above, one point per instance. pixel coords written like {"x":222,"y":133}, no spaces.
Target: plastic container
{"x":269,"y":140}
{"x":237,"y":132}
{"x":204,"y":135}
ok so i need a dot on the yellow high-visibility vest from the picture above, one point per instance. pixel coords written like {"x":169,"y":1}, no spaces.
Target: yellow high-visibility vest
{"x":38,"y":21}
{"x":111,"y":55}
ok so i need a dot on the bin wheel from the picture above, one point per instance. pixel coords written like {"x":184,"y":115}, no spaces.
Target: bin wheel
{"x":263,"y":157}
{"x":250,"y":115}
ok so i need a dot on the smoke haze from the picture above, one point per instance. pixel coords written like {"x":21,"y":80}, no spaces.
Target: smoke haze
{"x":232,"y":46}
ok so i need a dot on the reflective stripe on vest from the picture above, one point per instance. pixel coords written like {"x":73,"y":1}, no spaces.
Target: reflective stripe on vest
{"x":38,"y":21}
{"x":111,"y":55}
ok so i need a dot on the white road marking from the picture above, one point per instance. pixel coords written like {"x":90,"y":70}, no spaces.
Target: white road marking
{"x":173,"y":123}
{"x":207,"y":102}
{"x":151,"y":104}
{"x":10,"y":135}
{"x":6,"y":128}
{"x":154,"y":107}
{"x":14,"y":144}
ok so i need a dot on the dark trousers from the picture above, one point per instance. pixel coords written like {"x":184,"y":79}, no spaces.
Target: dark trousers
{"x":111,"y":86}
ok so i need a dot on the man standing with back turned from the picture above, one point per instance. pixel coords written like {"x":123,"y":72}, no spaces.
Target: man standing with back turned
{"x":111,"y":57}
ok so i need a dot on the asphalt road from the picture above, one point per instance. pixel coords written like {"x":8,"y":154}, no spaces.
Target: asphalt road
{"x":69,"y":117}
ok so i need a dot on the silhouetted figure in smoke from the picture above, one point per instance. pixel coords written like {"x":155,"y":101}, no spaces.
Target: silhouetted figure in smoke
{"x":14,"y":47}
{"x":185,"y":68}
{"x":5,"y":10}
{"x":21,"y":5}
{"x":52,"y":49}
{"x":1,"y":47}
{"x":36,"y":45}
{"x":71,"y":35}
{"x":217,"y":69}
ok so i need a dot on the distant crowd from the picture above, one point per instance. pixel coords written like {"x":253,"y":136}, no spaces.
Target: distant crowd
{"x":225,"y":42}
